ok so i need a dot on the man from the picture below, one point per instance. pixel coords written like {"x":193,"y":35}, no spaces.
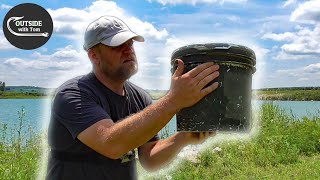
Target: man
{"x":100,"y":118}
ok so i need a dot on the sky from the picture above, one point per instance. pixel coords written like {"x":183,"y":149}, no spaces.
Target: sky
{"x":285,"y":36}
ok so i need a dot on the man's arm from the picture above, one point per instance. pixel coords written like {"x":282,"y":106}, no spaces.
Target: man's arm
{"x":154,"y":155}
{"x":115,"y":139}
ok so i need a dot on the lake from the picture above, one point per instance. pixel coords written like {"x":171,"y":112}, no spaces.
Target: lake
{"x":38,"y":111}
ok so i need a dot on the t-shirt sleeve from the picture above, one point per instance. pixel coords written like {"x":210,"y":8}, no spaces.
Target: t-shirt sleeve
{"x":77,"y":110}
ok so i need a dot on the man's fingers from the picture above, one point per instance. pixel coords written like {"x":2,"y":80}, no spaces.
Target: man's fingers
{"x":180,"y":68}
{"x":206,"y":72}
{"x":212,"y":133}
{"x":209,"y":89}
{"x":208,"y":79}
{"x":207,"y":134}
{"x":195,"y":71}
{"x":201,"y":136}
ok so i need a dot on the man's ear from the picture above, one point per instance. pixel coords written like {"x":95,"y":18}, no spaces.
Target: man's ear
{"x":93,"y":56}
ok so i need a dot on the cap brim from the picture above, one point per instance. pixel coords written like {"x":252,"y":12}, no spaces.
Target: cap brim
{"x":121,"y":38}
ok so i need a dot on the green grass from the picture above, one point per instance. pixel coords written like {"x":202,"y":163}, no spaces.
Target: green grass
{"x":285,"y":148}
{"x":21,"y":95}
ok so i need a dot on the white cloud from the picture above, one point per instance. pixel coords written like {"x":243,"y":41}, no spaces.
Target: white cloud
{"x":308,"y":75}
{"x":34,"y":64}
{"x":4,"y":43}
{"x":4,"y":6}
{"x":269,"y":24}
{"x":302,"y":43}
{"x":309,"y":71}
{"x":312,"y":68}
{"x":194,"y":2}
{"x":150,"y":65}
{"x":66,"y":52}
{"x":303,"y":79}
{"x":287,"y":36}
{"x":146,"y":29}
{"x":234,"y":18}
{"x":63,"y":59}
{"x":307,"y":12}
{"x":286,"y":56}
{"x":46,"y":70}
{"x":71,"y":23}
{"x":303,"y":76}
{"x":289,"y":3}
{"x":201,"y":21}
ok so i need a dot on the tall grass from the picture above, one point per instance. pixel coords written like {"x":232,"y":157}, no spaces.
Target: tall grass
{"x":284,"y":148}
{"x":19,"y":150}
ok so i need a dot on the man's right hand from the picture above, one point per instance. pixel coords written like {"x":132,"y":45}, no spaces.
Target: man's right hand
{"x":187,"y":89}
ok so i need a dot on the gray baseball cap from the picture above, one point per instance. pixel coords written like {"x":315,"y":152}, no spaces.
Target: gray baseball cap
{"x":110,"y":31}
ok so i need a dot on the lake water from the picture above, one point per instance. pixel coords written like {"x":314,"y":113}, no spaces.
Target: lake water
{"x":38,"y":111}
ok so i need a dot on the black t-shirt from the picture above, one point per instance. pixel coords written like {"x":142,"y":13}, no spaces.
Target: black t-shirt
{"x":78,"y":104}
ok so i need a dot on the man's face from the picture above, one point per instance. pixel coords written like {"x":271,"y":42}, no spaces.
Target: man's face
{"x":117,"y":63}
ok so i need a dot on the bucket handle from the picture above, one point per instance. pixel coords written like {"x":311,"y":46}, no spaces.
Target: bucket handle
{"x":223,"y":47}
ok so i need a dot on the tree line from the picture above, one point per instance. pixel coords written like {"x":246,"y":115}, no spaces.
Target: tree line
{"x":288,"y":88}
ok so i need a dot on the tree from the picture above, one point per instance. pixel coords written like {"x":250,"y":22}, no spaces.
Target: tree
{"x":2,"y":86}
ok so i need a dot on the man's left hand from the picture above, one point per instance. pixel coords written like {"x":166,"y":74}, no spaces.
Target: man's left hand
{"x":196,"y":137}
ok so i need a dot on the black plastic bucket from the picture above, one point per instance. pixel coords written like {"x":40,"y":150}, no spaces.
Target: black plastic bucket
{"x":228,"y":108}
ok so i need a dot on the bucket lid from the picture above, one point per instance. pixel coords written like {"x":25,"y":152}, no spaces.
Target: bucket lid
{"x":238,"y":53}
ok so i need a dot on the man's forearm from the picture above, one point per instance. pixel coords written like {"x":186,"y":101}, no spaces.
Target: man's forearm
{"x":155,"y":156}
{"x":138,"y":128}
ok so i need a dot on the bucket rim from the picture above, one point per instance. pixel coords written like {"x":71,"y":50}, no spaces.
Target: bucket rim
{"x":221,"y":49}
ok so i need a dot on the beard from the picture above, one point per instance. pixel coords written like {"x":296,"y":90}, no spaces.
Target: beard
{"x":122,"y":73}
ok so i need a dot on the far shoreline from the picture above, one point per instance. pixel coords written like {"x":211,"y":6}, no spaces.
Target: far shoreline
{"x":273,"y":94}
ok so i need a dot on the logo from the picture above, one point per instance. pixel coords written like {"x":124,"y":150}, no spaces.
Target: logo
{"x":27,"y":26}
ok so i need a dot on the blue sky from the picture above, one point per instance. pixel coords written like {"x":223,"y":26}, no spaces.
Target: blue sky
{"x":285,"y":36}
